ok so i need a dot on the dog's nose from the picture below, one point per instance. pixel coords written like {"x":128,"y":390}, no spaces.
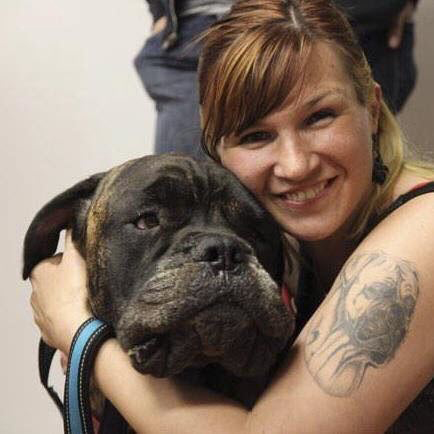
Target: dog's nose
{"x":223,"y":253}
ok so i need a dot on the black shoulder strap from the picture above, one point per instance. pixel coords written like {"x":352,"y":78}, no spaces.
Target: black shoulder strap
{"x":404,"y":198}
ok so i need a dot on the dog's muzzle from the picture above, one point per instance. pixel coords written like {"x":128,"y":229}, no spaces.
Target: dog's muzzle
{"x":238,"y":321}
{"x":215,"y":304}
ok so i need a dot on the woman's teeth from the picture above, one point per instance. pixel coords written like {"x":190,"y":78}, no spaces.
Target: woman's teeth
{"x":309,"y":193}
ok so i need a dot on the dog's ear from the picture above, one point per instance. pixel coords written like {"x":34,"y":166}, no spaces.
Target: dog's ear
{"x":67,"y":210}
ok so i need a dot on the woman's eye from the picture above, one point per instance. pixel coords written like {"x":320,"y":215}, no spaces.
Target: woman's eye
{"x":319,"y":116}
{"x":147,"y":221}
{"x":257,"y":136}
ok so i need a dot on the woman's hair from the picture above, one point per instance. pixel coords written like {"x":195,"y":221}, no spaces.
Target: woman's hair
{"x":254,"y":57}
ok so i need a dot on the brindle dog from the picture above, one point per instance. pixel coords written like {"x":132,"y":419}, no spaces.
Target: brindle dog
{"x":184,"y":264}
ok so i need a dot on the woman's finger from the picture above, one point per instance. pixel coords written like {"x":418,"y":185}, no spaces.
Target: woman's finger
{"x":71,"y":254}
{"x":68,"y":239}
{"x":33,"y":302}
{"x":59,"y":296}
{"x":45,"y":266}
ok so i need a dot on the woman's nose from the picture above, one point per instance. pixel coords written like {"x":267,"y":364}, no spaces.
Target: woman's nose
{"x":295,"y":160}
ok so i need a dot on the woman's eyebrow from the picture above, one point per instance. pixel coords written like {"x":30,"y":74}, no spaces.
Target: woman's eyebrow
{"x":304,"y":105}
{"x":329,"y":92}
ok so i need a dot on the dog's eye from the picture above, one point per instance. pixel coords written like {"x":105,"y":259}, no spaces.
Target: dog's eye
{"x":147,"y":221}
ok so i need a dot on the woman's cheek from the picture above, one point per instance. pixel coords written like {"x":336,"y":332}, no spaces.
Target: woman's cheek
{"x":241,"y":163}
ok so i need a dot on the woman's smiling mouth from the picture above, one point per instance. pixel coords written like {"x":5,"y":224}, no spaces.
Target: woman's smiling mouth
{"x":307,"y":195}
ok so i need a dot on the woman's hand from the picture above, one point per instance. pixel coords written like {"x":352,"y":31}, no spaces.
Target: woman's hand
{"x":59,"y":296}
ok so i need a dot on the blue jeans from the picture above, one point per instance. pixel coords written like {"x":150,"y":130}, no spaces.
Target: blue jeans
{"x":170,"y":79}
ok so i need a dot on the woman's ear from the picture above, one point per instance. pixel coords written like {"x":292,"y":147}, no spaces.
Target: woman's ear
{"x":375,"y":107}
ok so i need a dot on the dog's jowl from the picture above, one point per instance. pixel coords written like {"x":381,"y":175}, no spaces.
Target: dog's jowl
{"x":182,"y":262}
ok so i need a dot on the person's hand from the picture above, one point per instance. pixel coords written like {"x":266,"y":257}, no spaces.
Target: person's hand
{"x":159,"y":26}
{"x":59,"y":296}
{"x":397,"y":30}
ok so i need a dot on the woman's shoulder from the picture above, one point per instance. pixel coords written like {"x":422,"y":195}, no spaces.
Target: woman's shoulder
{"x":410,"y":204}
{"x":367,"y":351}
{"x":387,"y":288}
{"x":409,"y":181}
{"x":372,"y":335}
{"x":406,"y":227}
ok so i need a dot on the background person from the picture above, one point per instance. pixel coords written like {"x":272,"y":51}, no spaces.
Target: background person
{"x":167,"y":64}
{"x":386,"y":33}
{"x":317,"y":145}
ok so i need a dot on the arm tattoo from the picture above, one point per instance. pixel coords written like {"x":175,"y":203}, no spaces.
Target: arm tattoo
{"x":365,"y":319}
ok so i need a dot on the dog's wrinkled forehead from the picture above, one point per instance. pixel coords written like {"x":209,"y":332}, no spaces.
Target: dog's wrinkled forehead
{"x":174,"y":181}
{"x":169,"y":181}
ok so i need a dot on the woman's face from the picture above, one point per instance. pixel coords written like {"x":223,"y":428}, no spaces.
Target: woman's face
{"x":310,"y":163}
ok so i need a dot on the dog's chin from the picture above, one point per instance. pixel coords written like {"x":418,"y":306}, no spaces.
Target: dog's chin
{"x":221,"y":334}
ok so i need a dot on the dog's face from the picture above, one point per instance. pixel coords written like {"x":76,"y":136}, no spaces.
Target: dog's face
{"x":184,"y":264}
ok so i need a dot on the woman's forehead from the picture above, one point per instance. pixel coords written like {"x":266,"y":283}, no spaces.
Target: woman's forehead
{"x":324,"y":78}
{"x":324,"y":74}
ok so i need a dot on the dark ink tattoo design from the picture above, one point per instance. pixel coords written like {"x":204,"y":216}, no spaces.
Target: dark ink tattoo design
{"x":366,"y":317}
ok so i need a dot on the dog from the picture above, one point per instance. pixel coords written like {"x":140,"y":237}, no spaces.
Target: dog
{"x":184,"y":264}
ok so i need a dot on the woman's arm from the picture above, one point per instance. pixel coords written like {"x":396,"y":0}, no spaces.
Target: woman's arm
{"x":155,"y":405}
{"x":362,"y":358}
{"x":368,"y":350}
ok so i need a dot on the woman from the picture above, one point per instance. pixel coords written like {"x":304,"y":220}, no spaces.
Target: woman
{"x":289,"y":106}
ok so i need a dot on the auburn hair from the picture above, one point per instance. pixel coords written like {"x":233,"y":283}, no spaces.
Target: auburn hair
{"x":255,"y":57}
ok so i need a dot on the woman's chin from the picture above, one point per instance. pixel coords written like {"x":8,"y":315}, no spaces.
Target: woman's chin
{"x":315,"y":233}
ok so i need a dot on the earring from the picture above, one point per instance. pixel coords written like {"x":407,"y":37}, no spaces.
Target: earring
{"x":379,"y":169}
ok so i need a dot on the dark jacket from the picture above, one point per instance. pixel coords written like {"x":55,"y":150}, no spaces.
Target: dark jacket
{"x":156,"y":8}
{"x":371,"y":15}
{"x":365,"y":15}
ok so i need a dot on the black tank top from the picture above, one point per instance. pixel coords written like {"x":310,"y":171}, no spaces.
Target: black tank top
{"x":418,"y":418}
{"x":427,"y":187}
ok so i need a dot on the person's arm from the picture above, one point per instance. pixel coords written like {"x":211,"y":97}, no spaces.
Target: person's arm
{"x":155,"y":405}
{"x":352,"y":369}
{"x":397,"y":29}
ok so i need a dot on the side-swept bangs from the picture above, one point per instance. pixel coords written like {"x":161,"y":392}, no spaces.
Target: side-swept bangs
{"x":237,"y":94}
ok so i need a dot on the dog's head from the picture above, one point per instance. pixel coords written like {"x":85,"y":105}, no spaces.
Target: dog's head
{"x":182,"y":261}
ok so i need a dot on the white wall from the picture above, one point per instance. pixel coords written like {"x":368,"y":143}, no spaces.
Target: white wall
{"x":71,"y":105}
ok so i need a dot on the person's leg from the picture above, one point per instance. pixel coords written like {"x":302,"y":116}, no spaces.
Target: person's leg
{"x":170,"y":78}
{"x":176,"y":98}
